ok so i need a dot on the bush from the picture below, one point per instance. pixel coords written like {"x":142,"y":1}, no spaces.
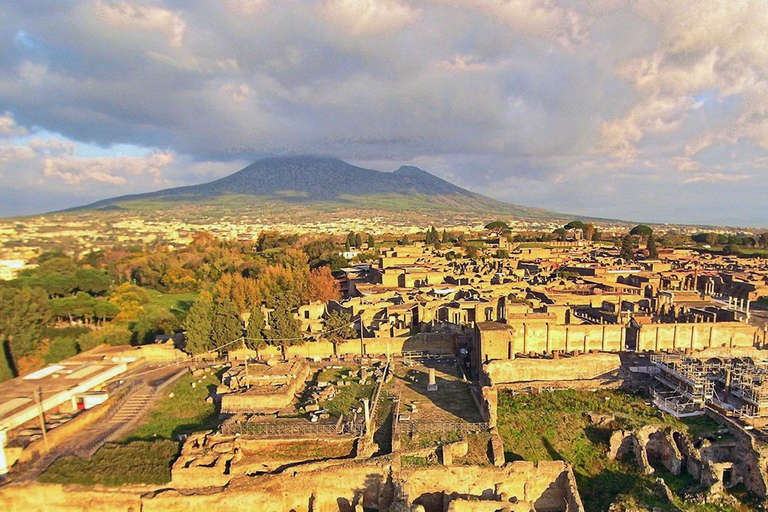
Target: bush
{"x":109,"y":335}
{"x":6,"y":371}
{"x":61,"y":348}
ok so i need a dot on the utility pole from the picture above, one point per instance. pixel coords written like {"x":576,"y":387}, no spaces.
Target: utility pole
{"x":38,"y":398}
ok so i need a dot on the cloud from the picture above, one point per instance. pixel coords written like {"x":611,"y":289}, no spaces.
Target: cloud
{"x":572,"y":105}
{"x":542,"y":18}
{"x":8,"y":126}
{"x":73,"y":171}
{"x":124,"y":14}
{"x":358,"y":17}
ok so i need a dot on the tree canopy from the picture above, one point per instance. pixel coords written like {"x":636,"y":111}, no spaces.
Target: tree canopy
{"x":497,"y":227}
{"x":641,"y":230}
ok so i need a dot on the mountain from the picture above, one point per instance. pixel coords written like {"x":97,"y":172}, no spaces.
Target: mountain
{"x":322,"y":181}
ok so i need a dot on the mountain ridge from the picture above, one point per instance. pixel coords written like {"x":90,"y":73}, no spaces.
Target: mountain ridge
{"x":316,"y":179}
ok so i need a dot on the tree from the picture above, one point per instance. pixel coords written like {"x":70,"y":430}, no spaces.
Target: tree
{"x":371,"y":242}
{"x":227,"y":326}
{"x":338,"y":327}
{"x":497,"y":227}
{"x":350,"y":240}
{"x":404,"y":240}
{"x":501,"y":253}
{"x":653,"y":253}
{"x":446,"y":238}
{"x":641,"y":230}
{"x":254,"y":333}
{"x":627,"y":251}
{"x":575,"y":224}
{"x":358,"y":240}
{"x":24,"y":314}
{"x":284,"y":327}
{"x":322,"y":286}
{"x":199,"y":324}
{"x":560,"y":233}
{"x":763,"y":240}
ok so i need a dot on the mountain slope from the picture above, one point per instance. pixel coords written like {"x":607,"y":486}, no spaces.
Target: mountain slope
{"x":321,"y":180}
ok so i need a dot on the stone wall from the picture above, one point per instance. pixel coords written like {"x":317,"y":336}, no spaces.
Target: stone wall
{"x":697,"y":336}
{"x":427,"y":342}
{"x":546,"y":485}
{"x":581,"y":367}
{"x":539,"y":339}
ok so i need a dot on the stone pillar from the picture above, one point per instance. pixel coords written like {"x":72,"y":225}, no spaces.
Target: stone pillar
{"x":367,"y":411}
{"x":711,"y":327}
{"x":547,"y":338}
{"x":602,"y":341}
{"x":656,"y":348}
{"x":525,"y":338}
{"x":432,"y":386}
{"x":567,"y":335}
{"x":674,"y":338}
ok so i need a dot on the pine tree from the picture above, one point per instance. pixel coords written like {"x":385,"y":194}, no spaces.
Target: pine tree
{"x":371,"y":242}
{"x":285,"y":328}
{"x":254,"y":334}
{"x":227,"y":326}
{"x":338,"y":327}
{"x":199,"y":324}
{"x":627,"y":251}
{"x":653,"y":253}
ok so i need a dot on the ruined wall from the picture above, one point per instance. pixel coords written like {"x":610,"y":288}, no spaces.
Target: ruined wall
{"x":544,"y":337}
{"x":426,"y":342}
{"x":585,"y":366}
{"x":547,"y":485}
{"x":656,"y":337}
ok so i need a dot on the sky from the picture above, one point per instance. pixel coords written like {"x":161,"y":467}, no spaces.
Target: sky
{"x":646,"y":110}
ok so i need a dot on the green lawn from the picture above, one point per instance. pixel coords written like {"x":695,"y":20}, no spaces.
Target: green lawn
{"x":183,"y":413}
{"x":176,"y":303}
{"x":139,"y":462}
{"x":553,"y":426}
{"x":347,"y":397}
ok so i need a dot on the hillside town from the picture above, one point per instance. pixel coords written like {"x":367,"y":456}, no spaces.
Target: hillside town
{"x":397,"y":389}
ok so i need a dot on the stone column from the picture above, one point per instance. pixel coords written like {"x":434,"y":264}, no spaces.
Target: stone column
{"x":432,"y":386}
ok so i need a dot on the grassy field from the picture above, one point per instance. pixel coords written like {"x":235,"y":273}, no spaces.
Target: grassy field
{"x":176,"y":303}
{"x":553,"y":426}
{"x":139,"y":462}
{"x":347,"y":397}
{"x":183,"y":413}
{"x":145,"y":455}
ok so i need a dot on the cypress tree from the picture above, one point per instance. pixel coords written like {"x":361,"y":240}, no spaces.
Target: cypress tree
{"x":371,"y":242}
{"x":358,"y":240}
{"x":199,"y":324}
{"x":627,"y":252}
{"x":227,"y":326}
{"x":653,"y":253}
{"x":254,"y":334}
{"x":285,"y":329}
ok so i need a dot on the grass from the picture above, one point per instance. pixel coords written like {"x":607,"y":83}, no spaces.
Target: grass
{"x":553,"y":426}
{"x":139,"y":462}
{"x":176,"y":303}
{"x":145,"y":455}
{"x":347,"y":397}
{"x":183,"y":413}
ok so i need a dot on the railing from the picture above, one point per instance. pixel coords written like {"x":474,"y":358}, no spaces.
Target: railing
{"x":276,"y":429}
{"x":412,"y":427}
